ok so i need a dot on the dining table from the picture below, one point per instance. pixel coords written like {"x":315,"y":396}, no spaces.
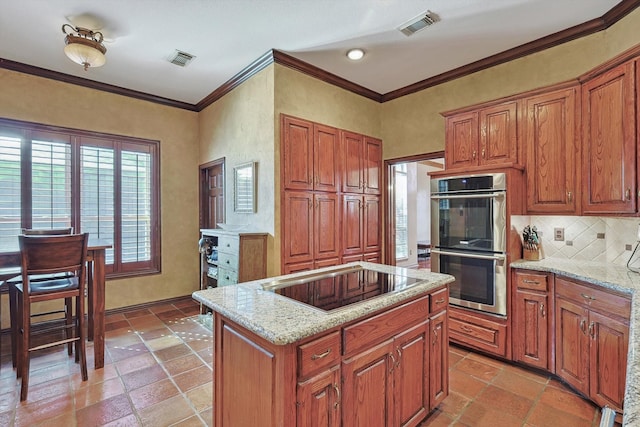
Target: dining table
{"x":96,"y":279}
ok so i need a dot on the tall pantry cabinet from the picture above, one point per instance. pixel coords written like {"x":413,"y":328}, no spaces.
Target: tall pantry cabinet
{"x":331,"y":195}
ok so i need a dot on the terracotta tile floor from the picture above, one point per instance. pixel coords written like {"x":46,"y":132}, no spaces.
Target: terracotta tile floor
{"x":158,"y":373}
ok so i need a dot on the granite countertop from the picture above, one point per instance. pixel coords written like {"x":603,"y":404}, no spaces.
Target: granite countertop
{"x":282,"y":321}
{"x":617,"y":278}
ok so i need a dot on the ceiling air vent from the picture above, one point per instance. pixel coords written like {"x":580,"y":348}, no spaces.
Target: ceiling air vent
{"x":418,"y":23}
{"x":181,"y":59}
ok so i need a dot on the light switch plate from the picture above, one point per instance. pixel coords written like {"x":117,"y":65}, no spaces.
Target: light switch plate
{"x":558,"y":234}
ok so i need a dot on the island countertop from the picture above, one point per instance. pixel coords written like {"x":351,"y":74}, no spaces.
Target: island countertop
{"x":281,"y":320}
{"x":617,"y":278}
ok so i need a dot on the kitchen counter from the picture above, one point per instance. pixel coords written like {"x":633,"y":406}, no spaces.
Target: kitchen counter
{"x":617,"y":278}
{"x":281,"y":320}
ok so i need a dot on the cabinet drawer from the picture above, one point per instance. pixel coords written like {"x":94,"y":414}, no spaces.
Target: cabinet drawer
{"x":229,"y":244}
{"x":439,"y":300}
{"x":532,"y":281}
{"x":601,"y":300}
{"x":384,"y":325}
{"x":228,"y":261}
{"x":479,"y":333}
{"x":227,"y":277}
{"x":318,"y":354}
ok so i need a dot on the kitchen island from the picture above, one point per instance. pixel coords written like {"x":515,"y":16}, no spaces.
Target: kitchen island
{"x":620,"y":280}
{"x":377,"y":361}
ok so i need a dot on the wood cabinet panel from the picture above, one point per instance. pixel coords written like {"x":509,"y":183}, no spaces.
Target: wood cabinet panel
{"x":352,"y":222}
{"x":368,"y":387}
{"x":352,"y":162}
{"x":318,"y":400}
{"x":439,"y":362}
{"x":609,"y":142}
{"x":326,"y":160}
{"x":372,"y":165}
{"x":498,"y":134}
{"x":572,"y":344}
{"x":481,"y":333}
{"x":320,"y":353}
{"x":461,"y":144}
{"x":326,"y":229}
{"x":372,"y":229}
{"x":551,"y":134}
{"x":297,"y":146}
{"x":531,"y":329}
{"x":298,"y":227}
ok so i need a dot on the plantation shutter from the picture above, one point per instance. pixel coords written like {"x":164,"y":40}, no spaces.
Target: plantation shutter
{"x":10,"y":188}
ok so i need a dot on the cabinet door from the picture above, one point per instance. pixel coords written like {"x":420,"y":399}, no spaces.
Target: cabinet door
{"x":326,"y":152}
{"x":572,"y":344}
{"x":372,"y":225}
{"x":550,"y":139}
{"x":439,"y":363}
{"x":297,"y":163}
{"x":298,"y":227}
{"x":530,"y":329}
{"x":461,"y":141}
{"x":352,"y":162}
{"x":609,"y":142}
{"x":498,"y":135}
{"x":609,"y":345}
{"x":352,"y":221}
{"x":368,"y":387}
{"x":372,"y":164}
{"x":411,"y":376}
{"x":326,"y":229}
{"x":318,"y":400}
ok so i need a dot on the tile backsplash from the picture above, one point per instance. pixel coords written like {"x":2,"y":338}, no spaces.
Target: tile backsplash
{"x":602,"y":239}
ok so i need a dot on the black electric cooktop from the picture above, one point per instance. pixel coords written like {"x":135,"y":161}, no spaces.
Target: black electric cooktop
{"x":341,"y":287}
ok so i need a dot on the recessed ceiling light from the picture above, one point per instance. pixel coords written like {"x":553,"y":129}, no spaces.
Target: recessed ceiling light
{"x":355,"y":54}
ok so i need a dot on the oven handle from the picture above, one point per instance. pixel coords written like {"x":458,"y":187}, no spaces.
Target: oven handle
{"x":499,"y":195}
{"x":496,"y":257}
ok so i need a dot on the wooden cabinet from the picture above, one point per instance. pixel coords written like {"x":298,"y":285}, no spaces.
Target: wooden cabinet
{"x":361,"y":227}
{"x":439,"y":354}
{"x":551,"y":140}
{"x":361,"y":163}
{"x":310,"y":155}
{"x":531,"y":314}
{"x":486,"y":136}
{"x":609,"y":142}
{"x":236,"y":256}
{"x":479,"y":331}
{"x":592,"y":338}
{"x":312,"y":226}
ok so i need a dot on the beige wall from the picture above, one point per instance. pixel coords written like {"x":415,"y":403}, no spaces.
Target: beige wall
{"x":35,"y":99}
{"x":413,"y":124}
{"x":240,"y":128}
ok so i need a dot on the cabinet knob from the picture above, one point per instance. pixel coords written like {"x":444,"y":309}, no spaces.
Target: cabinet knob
{"x":569,"y":196}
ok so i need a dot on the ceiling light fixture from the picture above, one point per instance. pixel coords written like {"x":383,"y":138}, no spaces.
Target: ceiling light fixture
{"x":84,"y":46}
{"x":355,"y":54}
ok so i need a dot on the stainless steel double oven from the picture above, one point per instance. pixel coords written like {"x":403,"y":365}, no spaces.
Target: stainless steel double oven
{"x":469,"y":239}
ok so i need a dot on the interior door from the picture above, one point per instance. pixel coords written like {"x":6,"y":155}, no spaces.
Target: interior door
{"x":212,"y":194}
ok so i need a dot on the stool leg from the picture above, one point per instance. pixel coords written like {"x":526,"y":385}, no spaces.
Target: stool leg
{"x":81,"y":349}
{"x":13,"y":316}
{"x":24,"y":346}
{"x":68,"y":314}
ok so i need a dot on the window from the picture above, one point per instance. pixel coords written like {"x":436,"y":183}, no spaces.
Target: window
{"x":104,"y":185}
{"x":402,"y":246}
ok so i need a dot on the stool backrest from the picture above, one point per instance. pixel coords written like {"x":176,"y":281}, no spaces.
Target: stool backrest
{"x":53,"y":254}
{"x":46,"y":232}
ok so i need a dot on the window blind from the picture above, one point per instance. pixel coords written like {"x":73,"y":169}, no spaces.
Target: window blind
{"x":136,"y":206}
{"x":50,"y":184}
{"x":402,"y":245}
{"x":10,"y":188}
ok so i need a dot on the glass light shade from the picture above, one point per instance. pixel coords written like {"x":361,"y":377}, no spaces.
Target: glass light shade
{"x":84,"y":55}
{"x":355,"y":54}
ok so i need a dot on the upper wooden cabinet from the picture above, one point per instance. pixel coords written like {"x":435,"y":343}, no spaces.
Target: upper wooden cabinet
{"x":609,"y":142}
{"x":310,"y":155}
{"x":361,"y":163}
{"x":550,"y":138}
{"x":482,"y":137}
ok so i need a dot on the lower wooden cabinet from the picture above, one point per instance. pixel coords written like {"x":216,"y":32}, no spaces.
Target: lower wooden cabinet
{"x":318,"y":400}
{"x":592,"y":339}
{"x":482,"y":332}
{"x":439,"y":363}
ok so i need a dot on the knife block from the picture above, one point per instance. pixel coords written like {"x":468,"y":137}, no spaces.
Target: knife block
{"x":533,"y":254}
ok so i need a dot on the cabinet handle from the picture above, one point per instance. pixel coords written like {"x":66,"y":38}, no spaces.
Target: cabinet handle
{"x":628,"y":194}
{"x":583,"y":324}
{"x":337,"y":390}
{"x":542,"y":312}
{"x":321,"y":355}
{"x":592,"y":329}
{"x":589,"y":297}
{"x":483,"y":153}
{"x":440,"y":301}
{"x":569,"y":196}
{"x":393,"y":362}
{"x":474,"y":155}
{"x":466,"y":328}
{"x":530,"y":282}
{"x":399,"y":356}
{"x":435,"y":336}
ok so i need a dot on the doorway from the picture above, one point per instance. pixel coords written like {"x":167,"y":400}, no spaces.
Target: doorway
{"x":408,"y":234}
{"x":212,"y":205}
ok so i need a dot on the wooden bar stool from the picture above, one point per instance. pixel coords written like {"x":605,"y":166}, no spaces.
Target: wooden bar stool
{"x":50,"y":255}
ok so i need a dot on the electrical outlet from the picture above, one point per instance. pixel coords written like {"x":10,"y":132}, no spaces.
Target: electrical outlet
{"x":569,"y":242}
{"x":558,"y":234}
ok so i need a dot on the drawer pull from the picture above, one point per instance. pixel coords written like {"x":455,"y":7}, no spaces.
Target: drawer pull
{"x":337,"y":390}
{"x":321,"y":355}
{"x":466,"y":328}
{"x":542,"y":312}
{"x":592,"y":330}
{"x":589,"y":297}
{"x":530,"y":282}
{"x":440,"y":301}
